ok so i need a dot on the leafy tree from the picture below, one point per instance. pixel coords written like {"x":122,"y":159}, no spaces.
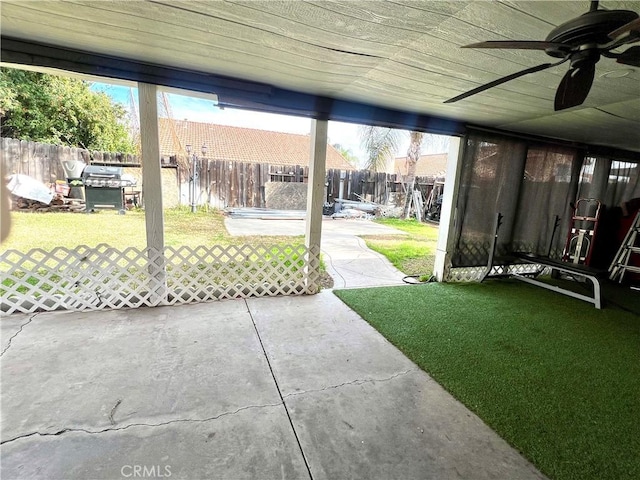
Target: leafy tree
{"x":62,"y":111}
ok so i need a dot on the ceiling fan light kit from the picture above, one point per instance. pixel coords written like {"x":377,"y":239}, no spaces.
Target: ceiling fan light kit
{"x":581,"y":41}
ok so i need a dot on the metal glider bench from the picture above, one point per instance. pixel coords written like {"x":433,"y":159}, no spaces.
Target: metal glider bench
{"x":499,"y":267}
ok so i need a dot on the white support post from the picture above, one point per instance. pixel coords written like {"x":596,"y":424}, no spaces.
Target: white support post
{"x":448,"y":212}
{"x":152,"y":185}
{"x":315,"y":200}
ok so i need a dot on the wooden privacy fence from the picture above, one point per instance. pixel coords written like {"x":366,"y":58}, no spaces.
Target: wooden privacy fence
{"x":220,"y":183}
{"x":376,"y":187}
{"x":240,"y":184}
{"x":43,"y":161}
{"x":224,"y":184}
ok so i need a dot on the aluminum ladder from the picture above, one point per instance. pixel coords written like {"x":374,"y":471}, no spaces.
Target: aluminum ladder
{"x":582,"y":231}
{"x":629,"y":247}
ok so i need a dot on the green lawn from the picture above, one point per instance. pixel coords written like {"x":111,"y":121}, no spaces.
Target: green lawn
{"x":50,"y":230}
{"x":556,"y":378}
{"x":412,"y":254}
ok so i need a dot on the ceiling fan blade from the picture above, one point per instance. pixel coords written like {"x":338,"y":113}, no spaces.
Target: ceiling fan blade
{"x":519,"y":45}
{"x":631,"y":56}
{"x":574,"y":87}
{"x":633,"y":26}
{"x":502,"y":80}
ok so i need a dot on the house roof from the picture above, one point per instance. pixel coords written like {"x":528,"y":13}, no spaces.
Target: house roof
{"x":242,"y":144}
{"x":427,"y":166}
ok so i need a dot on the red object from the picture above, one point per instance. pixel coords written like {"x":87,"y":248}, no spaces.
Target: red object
{"x":61,"y":188}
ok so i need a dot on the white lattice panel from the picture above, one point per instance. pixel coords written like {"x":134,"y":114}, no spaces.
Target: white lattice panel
{"x":104,"y":277}
{"x":474,"y":274}
{"x":465,"y":274}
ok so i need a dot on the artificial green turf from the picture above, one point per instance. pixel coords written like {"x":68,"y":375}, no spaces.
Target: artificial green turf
{"x":556,"y":378}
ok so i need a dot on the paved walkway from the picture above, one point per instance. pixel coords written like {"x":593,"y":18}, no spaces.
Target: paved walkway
{"x":284,"y":387}
{"x":349,"y":261}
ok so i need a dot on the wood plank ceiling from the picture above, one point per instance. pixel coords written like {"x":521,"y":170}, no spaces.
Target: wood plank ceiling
{"x":397,"y":54}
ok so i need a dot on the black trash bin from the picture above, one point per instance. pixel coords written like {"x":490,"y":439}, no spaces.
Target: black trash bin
{"x":104,"y":188}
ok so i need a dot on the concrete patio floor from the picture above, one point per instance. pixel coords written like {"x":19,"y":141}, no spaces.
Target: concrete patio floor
{"x":264,"y":388}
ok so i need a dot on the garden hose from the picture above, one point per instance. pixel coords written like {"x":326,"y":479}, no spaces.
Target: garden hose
{"x":415,"y":279}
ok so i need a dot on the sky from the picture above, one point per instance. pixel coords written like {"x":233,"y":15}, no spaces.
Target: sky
{"x":202,"y":110}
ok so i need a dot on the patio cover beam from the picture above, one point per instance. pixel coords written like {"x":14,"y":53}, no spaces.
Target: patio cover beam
{"x":231,"y":92}
{"x":251,"y":95}
{"x":445,"y":246}
{"x":315,"y":194}
{"x":152,"y":182}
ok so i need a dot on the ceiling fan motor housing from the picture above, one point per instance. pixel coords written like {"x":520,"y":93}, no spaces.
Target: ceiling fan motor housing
{"x":590,"y":55}
{"x":592,"y":28}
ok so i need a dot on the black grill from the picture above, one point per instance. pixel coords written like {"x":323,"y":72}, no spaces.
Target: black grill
{"x":104,"y":188}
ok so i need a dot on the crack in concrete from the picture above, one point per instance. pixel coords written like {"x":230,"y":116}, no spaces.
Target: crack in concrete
{"x":124,"y":427}
{"x":277,"y":385}
{"x":330,"y":266}
{"x":352,"y":382}
{"x":16,"y":334}
{"x":113,"y":411}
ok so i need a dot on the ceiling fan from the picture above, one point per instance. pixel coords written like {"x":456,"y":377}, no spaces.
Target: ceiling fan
{"x":581,"y":41}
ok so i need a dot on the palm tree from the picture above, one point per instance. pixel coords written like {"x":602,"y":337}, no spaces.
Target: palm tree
{"x":413,"y":155}
{"x":382,"y":143}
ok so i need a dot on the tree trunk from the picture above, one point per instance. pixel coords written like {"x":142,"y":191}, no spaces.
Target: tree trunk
{"x":413,"y":155}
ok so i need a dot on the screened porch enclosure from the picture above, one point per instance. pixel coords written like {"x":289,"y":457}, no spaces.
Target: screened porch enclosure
{"x":532,"y":184}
